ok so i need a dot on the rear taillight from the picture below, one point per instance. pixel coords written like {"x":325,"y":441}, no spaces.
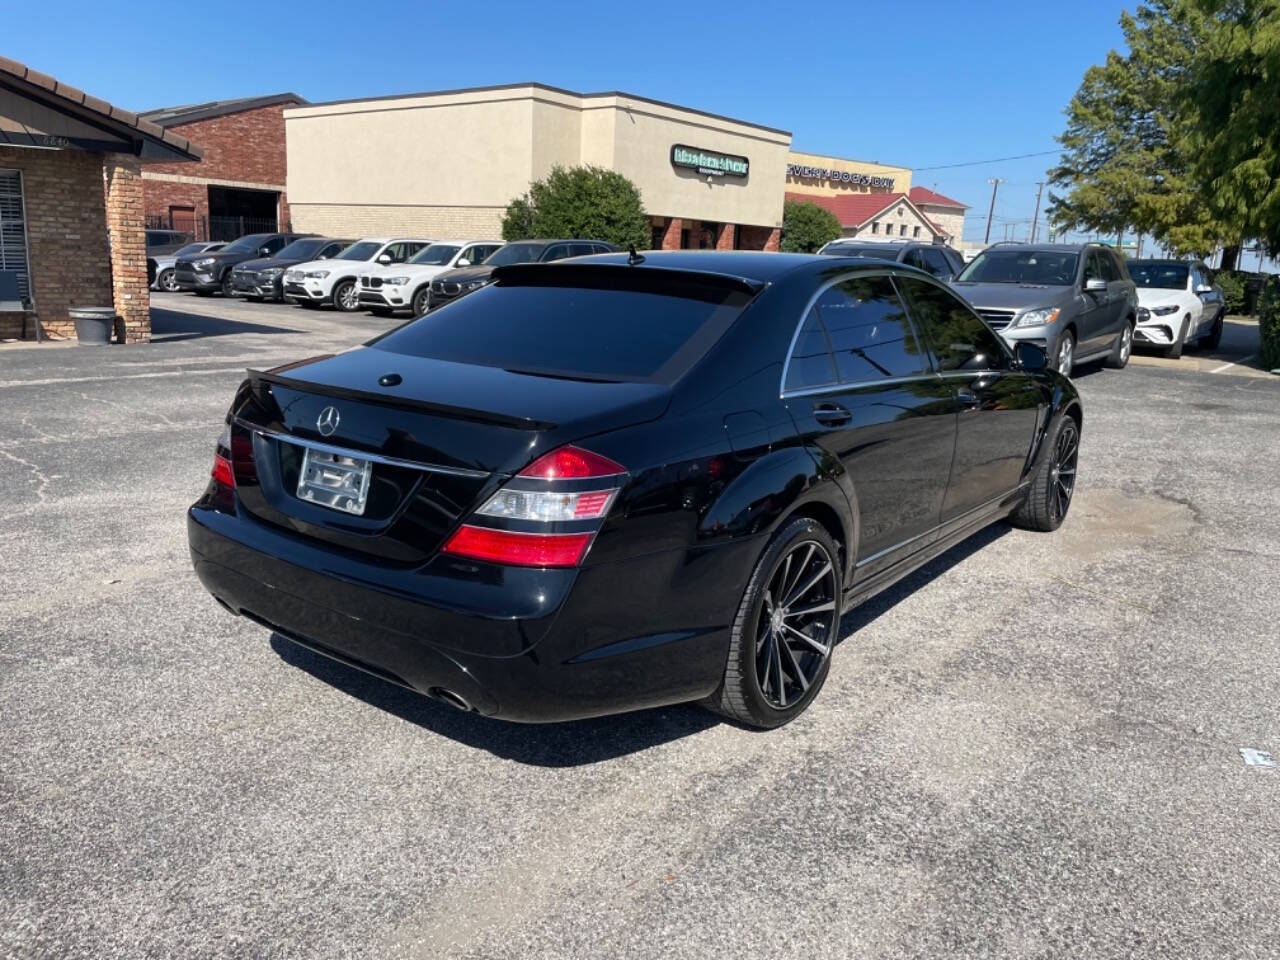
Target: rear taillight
{"x":545,"y":516}
{"x":223,"y":473}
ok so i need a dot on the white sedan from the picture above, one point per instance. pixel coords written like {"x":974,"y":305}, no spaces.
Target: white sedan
{"x":1176,"y":305}
{"x":385,"y":290}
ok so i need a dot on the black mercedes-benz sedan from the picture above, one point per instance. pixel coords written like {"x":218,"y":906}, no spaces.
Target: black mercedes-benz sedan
{"x":613,"y":483}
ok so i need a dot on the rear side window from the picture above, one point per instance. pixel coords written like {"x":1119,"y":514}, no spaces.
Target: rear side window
{"x":576,"y":324}
{"x":960,"y":339}
{"x":856,"y":332}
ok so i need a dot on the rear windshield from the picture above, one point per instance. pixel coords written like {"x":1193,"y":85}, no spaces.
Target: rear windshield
{"x":585,"y":329}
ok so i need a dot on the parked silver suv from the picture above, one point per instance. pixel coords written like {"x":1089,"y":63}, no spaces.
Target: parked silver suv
{"x":1074,"y":300}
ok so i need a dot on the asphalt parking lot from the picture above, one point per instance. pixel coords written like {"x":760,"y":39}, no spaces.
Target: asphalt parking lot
{"x":1030,"y":748}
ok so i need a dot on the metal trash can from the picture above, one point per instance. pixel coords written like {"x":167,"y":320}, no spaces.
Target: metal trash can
{"x":93,"y":324}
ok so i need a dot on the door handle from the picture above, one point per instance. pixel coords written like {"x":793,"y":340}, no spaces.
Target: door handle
{"x":831,"y":414}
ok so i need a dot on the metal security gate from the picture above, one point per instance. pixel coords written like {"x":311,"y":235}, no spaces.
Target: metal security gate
{"x":13,"y":230}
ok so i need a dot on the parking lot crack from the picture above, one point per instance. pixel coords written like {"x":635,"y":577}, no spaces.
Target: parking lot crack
{"x":40,"y":479}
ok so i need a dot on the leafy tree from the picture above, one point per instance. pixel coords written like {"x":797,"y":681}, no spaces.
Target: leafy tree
{"x":1130,"y":150}
{"x":807,"y":226}
{"x":1236,"y":93}
{"x":579,"y":202}
{"x":517,"y":222}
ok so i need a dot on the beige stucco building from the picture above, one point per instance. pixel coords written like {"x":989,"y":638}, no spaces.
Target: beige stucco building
{"x":447,"y":164}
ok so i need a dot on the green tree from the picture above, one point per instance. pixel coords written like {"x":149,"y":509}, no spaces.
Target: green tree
{"x":1129,"y":147}
{"x":807,"y":226}
{"x":579,"y":202}
{"x":1235,"y":90}
{"x":517,"y":222}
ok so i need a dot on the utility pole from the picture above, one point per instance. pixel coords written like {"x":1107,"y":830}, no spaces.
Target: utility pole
{"x":995,"y":185}
{"x":1035,"y":217}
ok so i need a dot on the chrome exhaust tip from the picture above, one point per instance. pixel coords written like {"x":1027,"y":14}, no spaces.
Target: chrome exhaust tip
{"x":455,"y":700}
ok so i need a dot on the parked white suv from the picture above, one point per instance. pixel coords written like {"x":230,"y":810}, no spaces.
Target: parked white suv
{"x":387,"y":289}
{"x":334,"y":281}
{"x":1177,"y":305}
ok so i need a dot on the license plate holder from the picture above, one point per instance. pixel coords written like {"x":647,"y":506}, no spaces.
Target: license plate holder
{"x":333,"y":480}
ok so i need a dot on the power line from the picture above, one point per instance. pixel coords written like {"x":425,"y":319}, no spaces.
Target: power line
{"x":975,"y":163}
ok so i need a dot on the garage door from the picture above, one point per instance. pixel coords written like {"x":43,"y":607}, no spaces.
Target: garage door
{"x":13,"y":229}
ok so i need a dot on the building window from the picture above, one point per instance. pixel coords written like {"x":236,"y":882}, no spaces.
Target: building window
{"x":13,"y":230}
{"x":655,"y":237}
{"x":915,"y":232}
{"x":875,"y":227}
{"x":902,"y":230}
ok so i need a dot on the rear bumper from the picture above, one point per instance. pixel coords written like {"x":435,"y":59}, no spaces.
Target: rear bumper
{"x":576,"y":644}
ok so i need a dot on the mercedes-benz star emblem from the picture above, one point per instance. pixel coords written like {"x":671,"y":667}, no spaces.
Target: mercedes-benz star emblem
{"x":327,"y":422}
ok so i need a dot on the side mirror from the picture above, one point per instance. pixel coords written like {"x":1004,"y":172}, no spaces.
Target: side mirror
{"x":1031,"y":356}
{"x":1096,"y":285}
{"x":385,"y":259}
{"x":264,"y":251}
{"x":464,"y":262}
{"x":1204,"y":288}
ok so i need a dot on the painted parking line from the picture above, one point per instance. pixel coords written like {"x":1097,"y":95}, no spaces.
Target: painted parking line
{"x":1233,"y":363}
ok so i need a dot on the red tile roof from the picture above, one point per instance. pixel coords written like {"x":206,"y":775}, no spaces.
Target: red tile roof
{"x":851,"y":209}
{"x":921,"y":195}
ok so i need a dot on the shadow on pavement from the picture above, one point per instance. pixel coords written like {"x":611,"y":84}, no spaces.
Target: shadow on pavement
{"x":170,"y":326}
{"x":868,"y":612}
{"x":582,"y":742}
{"x":572,"y":744}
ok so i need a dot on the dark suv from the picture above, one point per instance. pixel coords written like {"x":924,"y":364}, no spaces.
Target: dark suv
{"x":449,"y":285}
{"x":934,"y":258}
{"x":263,"y":279}
{"x":1076,"y":301}
{"x":208,"y":273}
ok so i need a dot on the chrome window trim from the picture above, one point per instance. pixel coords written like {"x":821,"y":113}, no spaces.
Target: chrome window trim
{"x":783,"y":393}
{"x":361,"y":454}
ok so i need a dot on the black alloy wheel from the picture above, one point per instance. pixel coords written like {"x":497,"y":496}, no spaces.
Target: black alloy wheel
{"x":420,"y":302}
{"x":1054,"y":484}
{"x":787,"y":625}
{"x":227,"y":288}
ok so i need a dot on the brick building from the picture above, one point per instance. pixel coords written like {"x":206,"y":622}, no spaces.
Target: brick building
{"x":239,"y":185}
{"x":71,"y":209}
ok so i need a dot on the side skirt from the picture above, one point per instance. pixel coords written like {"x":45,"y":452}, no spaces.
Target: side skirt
{"x":951,"y":534}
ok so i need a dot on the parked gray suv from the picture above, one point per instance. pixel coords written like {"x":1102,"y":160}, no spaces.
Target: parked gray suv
{"x":1074,"y":300}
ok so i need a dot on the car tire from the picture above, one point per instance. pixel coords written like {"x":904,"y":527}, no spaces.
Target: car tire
{"x":420,"y":302}
{"x":1054,"y":484}
{"x":1065,"y":354}
{"x":166,"y":281}
{"x":226,"y":286}
{"x":1174,"y":350}
{"x":1213,"y":338}
{"x":1118,"y":359}
{"x":768,"y":681}
{"x":345,"y":297}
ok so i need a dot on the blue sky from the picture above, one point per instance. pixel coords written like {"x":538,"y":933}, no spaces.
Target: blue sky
{"x":934,"y":85}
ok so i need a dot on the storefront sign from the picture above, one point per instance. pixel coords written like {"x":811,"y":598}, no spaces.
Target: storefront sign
{"x":708,"y":162}
{"x":802,"y":172}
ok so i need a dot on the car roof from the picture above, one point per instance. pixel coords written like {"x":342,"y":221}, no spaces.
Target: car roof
{"x":465,"y":243}
{"x":547,"y":243}
{"x":1050,"y":247}
{"x":1171,"y":260}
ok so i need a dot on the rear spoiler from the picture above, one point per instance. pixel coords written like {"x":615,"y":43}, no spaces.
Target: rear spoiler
{"x":695,"y":284}
{"x":260,"y":382}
